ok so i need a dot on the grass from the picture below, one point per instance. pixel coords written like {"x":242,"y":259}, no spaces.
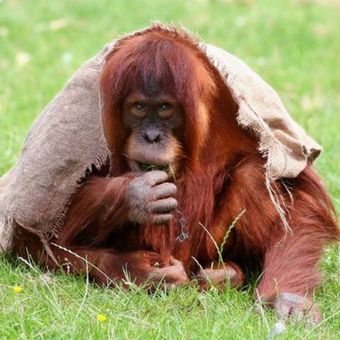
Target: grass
{"x":293,"y":44}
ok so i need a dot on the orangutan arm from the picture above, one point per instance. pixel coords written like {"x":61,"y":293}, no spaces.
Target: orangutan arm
{"x":105,"y":204}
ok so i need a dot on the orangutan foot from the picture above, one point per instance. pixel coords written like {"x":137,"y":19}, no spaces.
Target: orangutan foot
{"x":219,"y":274}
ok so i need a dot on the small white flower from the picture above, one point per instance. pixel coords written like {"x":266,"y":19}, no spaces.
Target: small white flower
{"x":22,"y":58}
{"x":67,"y":58}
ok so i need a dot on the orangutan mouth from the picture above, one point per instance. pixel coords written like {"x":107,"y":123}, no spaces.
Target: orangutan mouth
{"x":150,"y":167}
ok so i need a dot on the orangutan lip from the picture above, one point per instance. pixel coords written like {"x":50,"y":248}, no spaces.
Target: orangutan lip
{"x":149,"y":167}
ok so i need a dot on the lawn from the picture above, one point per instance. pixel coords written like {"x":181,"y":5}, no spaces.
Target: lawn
{"x":294,"y":45}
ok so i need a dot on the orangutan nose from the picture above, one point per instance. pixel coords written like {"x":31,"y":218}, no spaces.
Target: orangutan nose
{"x":152,"y":136}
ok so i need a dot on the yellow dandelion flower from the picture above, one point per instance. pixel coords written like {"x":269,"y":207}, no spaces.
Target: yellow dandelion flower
{"x":101,"y":317}
{"x":17,"y":289}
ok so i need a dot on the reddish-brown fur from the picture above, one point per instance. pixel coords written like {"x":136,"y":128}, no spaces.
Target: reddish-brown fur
{"x":221,"y":176}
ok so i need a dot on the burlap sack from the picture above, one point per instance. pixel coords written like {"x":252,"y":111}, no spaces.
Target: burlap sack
{"x":67,"y":139}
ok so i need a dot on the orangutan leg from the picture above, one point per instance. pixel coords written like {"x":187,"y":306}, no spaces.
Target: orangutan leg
{"x":106,"y":267}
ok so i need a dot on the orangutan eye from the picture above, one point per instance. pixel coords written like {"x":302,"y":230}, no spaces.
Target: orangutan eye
{"x":165,"y":110}
{"x":139,"y":110}
{"x":165,"y":106}
{"x":139,"y":106}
